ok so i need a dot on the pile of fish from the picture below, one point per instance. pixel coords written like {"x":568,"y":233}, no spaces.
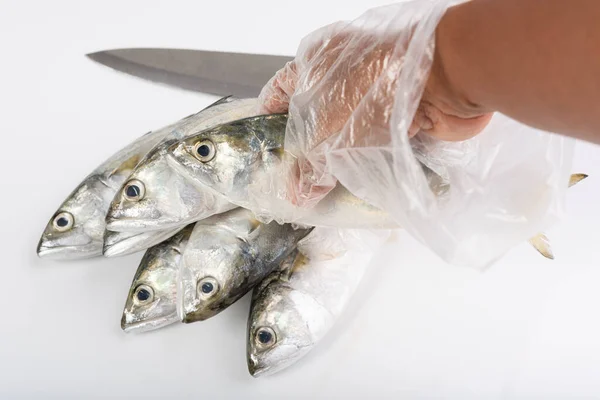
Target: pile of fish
{"x":179,"y":194}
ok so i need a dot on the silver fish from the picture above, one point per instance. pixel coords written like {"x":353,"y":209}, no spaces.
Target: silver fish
{"x":234,"y":158}
{"x":295,"y":306}
{"x":155,"y":197}
{"x":152,"y":299}
{"x":226,"y":256}
{"x":76,"y":229}
{"x":239,"y":154}
{"x":124,"y":243}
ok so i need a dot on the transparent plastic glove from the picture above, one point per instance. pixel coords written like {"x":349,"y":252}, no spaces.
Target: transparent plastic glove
{"x":359,"y":115}
{"x":328,"y":88}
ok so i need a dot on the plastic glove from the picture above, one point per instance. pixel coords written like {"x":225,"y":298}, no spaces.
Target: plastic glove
{"x":363,"y":111}
{"x":342,"y":83}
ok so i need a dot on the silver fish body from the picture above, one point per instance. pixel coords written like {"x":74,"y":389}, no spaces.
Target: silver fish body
{"x":295,"y":306}
{"x":152,"y":298}
{"x":242,"y":153}
{"x":227,"y":255}
{"x":162,"y":199}
{"x":76,"y":229}
{"x":124,"y":243}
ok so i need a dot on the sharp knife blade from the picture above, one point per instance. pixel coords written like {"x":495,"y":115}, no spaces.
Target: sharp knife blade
{"x":220,"y":73}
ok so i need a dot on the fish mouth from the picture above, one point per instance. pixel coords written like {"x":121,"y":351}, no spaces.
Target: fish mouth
{"x":143,"y":226}
{"x":258,"y":367}
{"x":255,"y":367}
{"x":138,"y":241}
{"x":148,"y":325}
{"x":196,"y":317}
{"x":200,"y":315}
{"x":93,"y":249}
{"x":275,"y":360}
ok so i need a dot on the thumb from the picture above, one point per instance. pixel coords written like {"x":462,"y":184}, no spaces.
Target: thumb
{"x":275,"y":96}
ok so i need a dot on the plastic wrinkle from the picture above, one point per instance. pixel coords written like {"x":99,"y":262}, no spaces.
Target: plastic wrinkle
{"x":353,"y":91}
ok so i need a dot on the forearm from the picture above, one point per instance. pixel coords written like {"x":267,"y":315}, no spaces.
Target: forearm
{"x":537,"y":61}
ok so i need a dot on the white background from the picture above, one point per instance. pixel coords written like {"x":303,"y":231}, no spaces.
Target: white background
{"x":527,"y":328}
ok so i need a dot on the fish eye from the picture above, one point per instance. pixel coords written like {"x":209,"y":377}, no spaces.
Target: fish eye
{"x":63,"y":221}
{"x":265,"y":337}
{"x":204,"y":150}
{"x":207,"y":287}
{"x":134,"y":190}
{"x":143,"y":294}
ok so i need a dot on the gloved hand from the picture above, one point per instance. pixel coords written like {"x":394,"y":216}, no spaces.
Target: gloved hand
{"x":369,"y":106}
{"x":342,"y":87}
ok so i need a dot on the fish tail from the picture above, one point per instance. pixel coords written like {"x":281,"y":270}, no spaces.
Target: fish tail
{"x":541,"y":243}
{"x":576,"y":178}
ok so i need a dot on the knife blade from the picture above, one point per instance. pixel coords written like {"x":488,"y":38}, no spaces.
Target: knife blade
{"x":220,"y":73}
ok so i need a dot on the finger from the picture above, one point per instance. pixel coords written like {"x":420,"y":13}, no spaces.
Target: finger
{"x":275,"y":96}
{"x":451,"y":128}
{"x":420,"y":122}
{"x":311,"y":184}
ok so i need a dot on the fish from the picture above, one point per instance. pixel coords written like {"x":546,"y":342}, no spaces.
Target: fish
{"x":124,"y":243}
{"x":155,"y":197}
{"x":239,"y":154}
{"x":76,"y":229}
{"x":234,"y":158}
{"x":227,"y":255}
{"x":152,"y":298}
{"x":297,"y":305}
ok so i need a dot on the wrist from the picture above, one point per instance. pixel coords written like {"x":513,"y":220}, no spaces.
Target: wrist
{"x":449,"y":77}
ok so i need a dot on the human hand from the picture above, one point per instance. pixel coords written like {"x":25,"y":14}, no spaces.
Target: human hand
{"x":343,"y":84}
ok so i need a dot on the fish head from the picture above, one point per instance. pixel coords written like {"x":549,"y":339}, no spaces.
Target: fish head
{"x":155,"y":197}
{"x":76,"y":229}
{"x":281,"y":328}
{"x":213,"y":277}
{"x":136,"y":203}
{"x":218,"y":264}
{"x":152,"y":299}
{"x":227,"y":256}
{"x":225,"y":157}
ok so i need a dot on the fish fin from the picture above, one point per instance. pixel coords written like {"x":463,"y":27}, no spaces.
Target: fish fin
{"x":127,"y":165}
{"x":576,"y":178}
{"x":222,"y":100}
{"x":541,"y":243}
{"x":282,"y":273}
{"x":253,"y":225}
{"x":295,"y":262}
{"x":288,"y":264}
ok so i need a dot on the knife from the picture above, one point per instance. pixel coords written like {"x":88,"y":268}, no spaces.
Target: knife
{"x":220,"y":73}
